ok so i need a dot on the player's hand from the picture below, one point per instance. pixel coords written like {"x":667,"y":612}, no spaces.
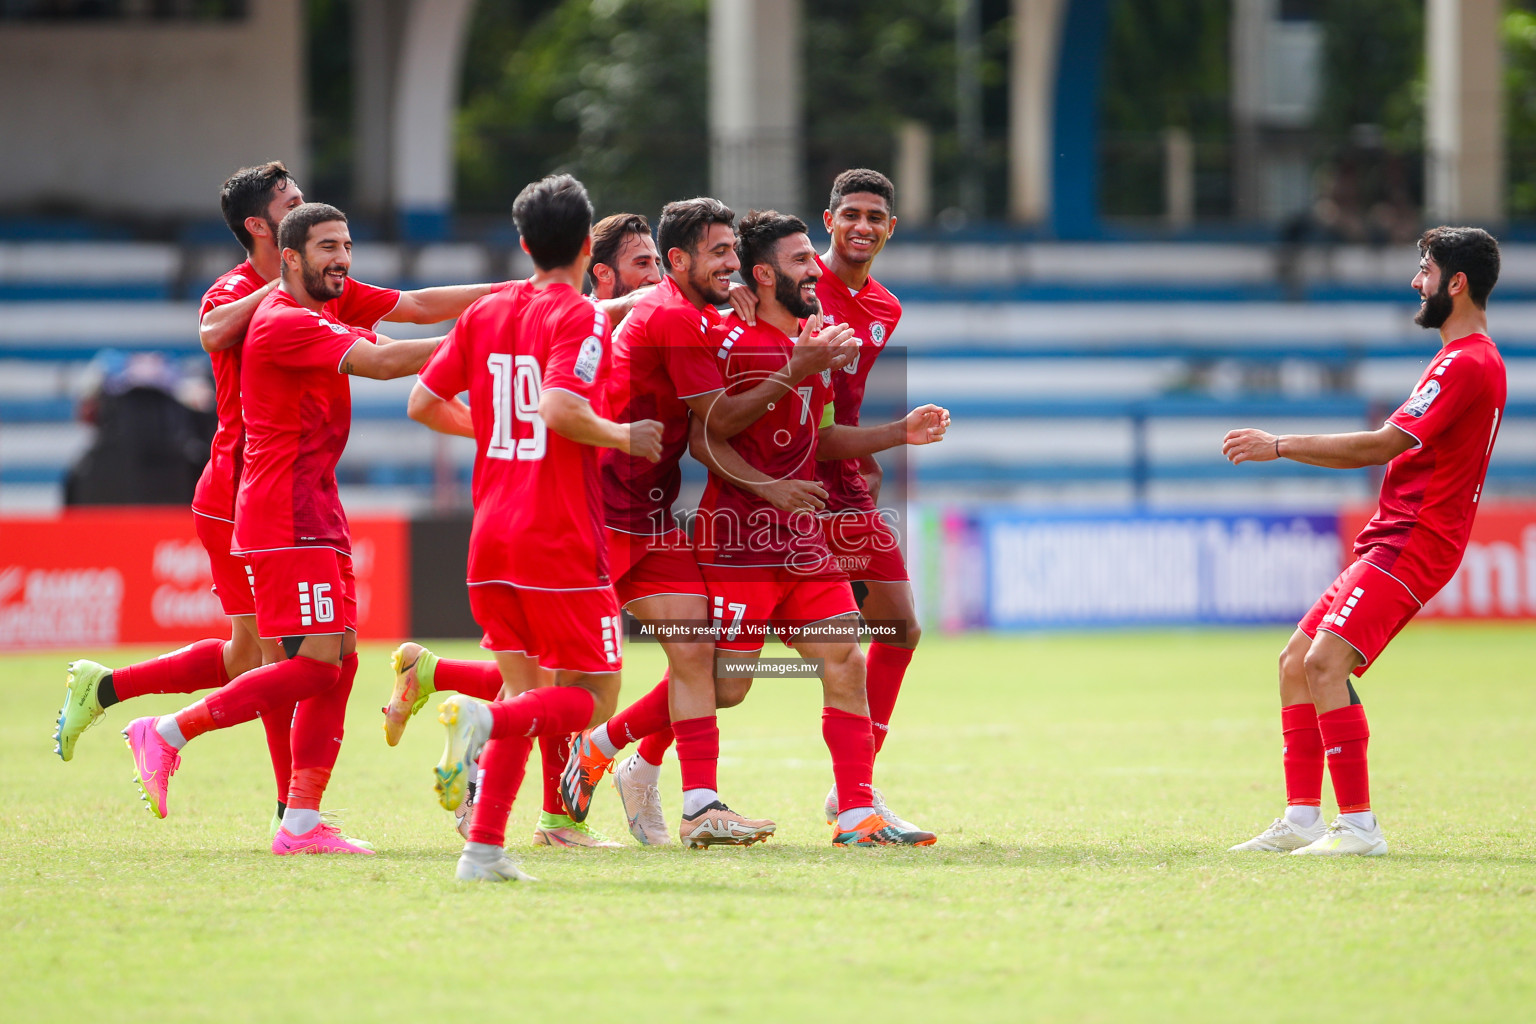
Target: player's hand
{"x":643,"y":440}
{"x":822,"y":348}
{"x":926,"y":424}
{"x":1249,"y":445}
{"x":794,"y":495}
{"x":744,"y":301}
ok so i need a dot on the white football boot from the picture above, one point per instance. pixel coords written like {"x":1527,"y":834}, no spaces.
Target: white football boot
{"x":1283,"y":836}
{"x":642,"y":805}
{"x":492,"y":865}
{"x":1345,"y":839}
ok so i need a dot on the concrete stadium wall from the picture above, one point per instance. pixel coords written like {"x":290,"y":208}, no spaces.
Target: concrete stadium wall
{"x":148,"y":118}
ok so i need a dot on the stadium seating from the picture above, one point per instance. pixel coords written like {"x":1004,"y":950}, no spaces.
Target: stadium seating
{"x":1076,"y":373}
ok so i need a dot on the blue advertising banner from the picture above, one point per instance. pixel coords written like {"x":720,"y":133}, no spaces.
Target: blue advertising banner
{"x":1154,"y":568}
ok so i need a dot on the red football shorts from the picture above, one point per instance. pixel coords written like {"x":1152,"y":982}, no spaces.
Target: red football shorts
{"x":747,"y":603}
{"x":566,"y":630}
{"x":231,"y":574}
{"x":864,"y":546}
{"x":304,"y":592}
{"x":643,"y":565}
{"x":1365,"y":607}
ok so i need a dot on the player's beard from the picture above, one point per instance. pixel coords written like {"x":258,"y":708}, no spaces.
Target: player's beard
{"x":1436,"y":310}
{"x":620,"y":289}
{"x":787,"y":290}
{"x":704,"y":284}
{"x":318,"y":285}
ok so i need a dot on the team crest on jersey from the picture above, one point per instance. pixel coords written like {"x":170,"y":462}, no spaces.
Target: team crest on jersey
{"x":587,"y":360}
{"x":1419,"y":404}
{"x":826,"y":377}
{"x":877,"y":332}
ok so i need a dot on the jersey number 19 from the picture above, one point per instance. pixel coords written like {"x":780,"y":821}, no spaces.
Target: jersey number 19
{"x":515,"y":396}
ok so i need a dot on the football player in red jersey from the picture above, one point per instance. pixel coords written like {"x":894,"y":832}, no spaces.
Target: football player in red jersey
{"x":665,"y":368}
{"x":289,"y":524}
{"x":253,"y":200}
{"x":534,"y":356}
{"x":1436,"y":448}
{"x":768,"y":568}
{"x":624,"y":267}
{"x":860,"y":218}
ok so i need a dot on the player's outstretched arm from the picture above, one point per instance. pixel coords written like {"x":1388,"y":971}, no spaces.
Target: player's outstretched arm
{"x":926,"y":424}
{"x":434,"y":305}
{"x":816,"y":349}
{"x":224,"y":326}
{"x":571,"y":416}
{"x":1332,"y":451}
{"x":389,"y":359}
{"x":446,"y":416}
{"x":720,"y":458}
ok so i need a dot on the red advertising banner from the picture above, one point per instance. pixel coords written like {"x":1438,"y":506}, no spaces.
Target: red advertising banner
{"x":1497,"y":578}
{"x":102,"y":576}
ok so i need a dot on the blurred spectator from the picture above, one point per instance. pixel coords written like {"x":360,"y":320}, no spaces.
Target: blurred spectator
{"x":153,"y":427}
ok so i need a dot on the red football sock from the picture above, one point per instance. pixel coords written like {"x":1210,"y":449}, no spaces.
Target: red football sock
{"x":553,"y":751}
{"x":850,"y":738}
{"x":505,"y":762}
{"x":307,"y":788}
{"x":1303,"y":755}
{"x":195,"y":667}
{"x":1345,"y":735}
{"x":698,"y":751}
{"x":645,"y":716}
{"x":320,"y":722}
{"x":653,"y":748}
{"x":884,"y":669}
{"x":269,"y":688}
{"x":278,"y":723}
{"x":543,"y":711}
{"x":475,"y":678}
{"x":194,"y":720}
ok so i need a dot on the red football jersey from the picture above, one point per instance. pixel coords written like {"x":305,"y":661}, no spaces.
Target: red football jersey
{"x":360,"y":304}
{"x":873,"y":313}
{"x":660,"y":357}
{"x":297,"y":408}
{"x":735,"y":527}
{"x":538,"y":513}
{"x":1430,"y":492}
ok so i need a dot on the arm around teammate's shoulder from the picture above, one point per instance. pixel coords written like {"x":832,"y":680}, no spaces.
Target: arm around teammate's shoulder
{"x":434,"y":305}
{"x":224,"y":326}
{"x":388,"y":359}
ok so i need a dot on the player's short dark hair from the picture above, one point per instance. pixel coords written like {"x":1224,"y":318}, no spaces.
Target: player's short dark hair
{"x":683,"y":223}
{"x":247,"y":193}
{"x":293,"y":232}
{"x":759,"y":235}
{"x":862,"y":179}
{"x":1470,"y":251}
{"x":608,"y":236}
{"x":554,"y":216}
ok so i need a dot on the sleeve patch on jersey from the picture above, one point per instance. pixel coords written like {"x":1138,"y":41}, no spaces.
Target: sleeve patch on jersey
{"x":1419,"y":404}
{"x":588,"y":359}
{"x":877,"y":333}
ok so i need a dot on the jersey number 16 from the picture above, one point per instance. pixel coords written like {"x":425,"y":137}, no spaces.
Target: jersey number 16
{"x":515,"y":395}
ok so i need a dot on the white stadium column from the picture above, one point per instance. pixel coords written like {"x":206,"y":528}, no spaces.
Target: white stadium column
{"x":1464,"y":112}
{"x":755,"y":70}
{"x":425,"y":102}
{"x":1031,"y":108}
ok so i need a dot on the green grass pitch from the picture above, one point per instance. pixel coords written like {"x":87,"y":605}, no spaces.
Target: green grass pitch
{"x":1085,"y":788}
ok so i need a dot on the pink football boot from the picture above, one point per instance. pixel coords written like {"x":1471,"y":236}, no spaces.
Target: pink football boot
{"x":154,"y":762}
{"x":322,"y":838}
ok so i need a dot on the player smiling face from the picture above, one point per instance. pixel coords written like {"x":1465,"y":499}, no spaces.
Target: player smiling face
{"x":710,"y":266}
{"x":860,"y":226}
{"x":327,"y":260}
{"x":638,"y":265}
{"x":795,"y":274}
